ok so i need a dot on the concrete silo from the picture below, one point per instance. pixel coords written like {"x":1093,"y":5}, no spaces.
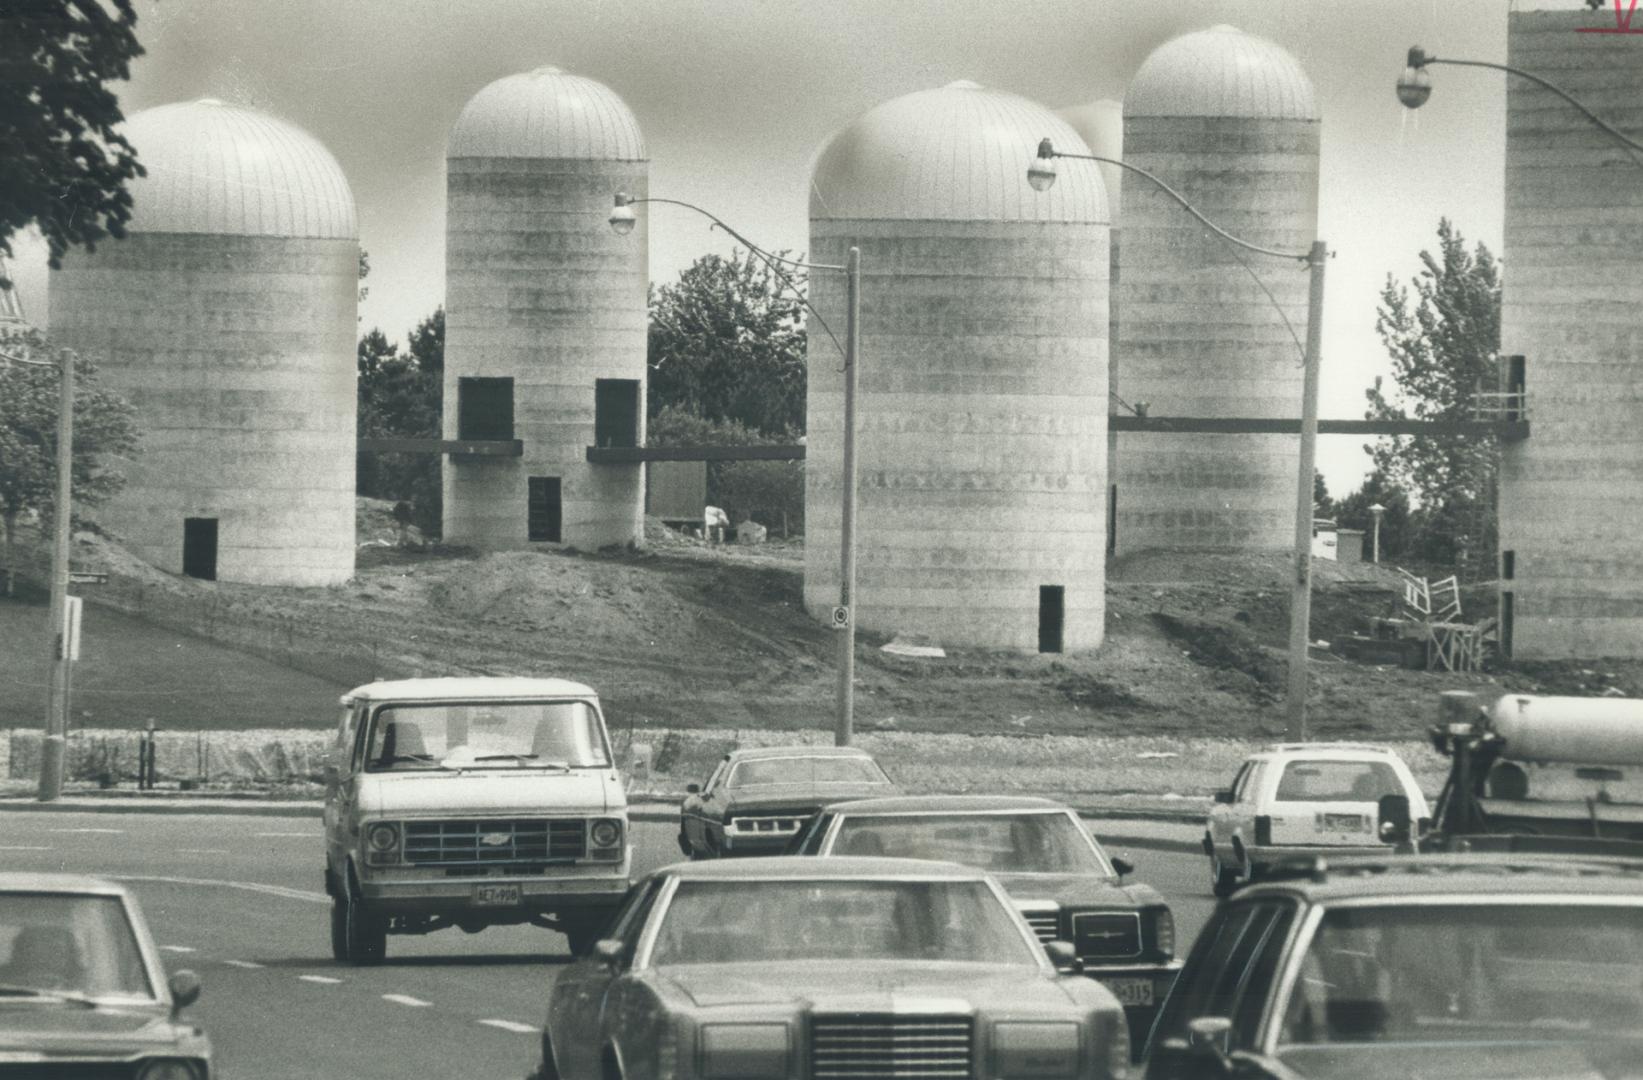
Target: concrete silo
{"x":1571,"y":494}
{"x":545,"y":314}
{"x":1101,"y":124}
{"x":1230,"y":121}
{"x":982,"y":384}
{"x":227,"y":317}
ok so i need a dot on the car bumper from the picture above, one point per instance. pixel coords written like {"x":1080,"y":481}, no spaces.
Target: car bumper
{"x":770,"y":843}
{"x":602,"y":889}
{"x":1262,"y":858}
{"x":1141,"y":989}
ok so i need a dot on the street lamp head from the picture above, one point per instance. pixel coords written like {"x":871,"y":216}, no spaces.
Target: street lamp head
{"x":1377,"y":509}
{"x":622,"y":218}
{"x":1415,"y":84}
{"x":1041,"y":173}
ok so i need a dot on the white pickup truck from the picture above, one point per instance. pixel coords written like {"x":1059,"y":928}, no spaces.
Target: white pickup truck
{"x":472,"y":802}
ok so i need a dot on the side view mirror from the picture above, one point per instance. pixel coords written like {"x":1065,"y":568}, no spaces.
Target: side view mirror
{"x":1210,"y":1036}
{"x":1123,"y":866}
{"x":1224,"y":797}
{"x":693,"y":789}
{"x":1393,"y":813}
{"x":1064,"y":956}
{"x":185,"y":990}
{"x":608,"y":951}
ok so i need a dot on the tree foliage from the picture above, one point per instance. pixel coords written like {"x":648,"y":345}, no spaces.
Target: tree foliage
{"x":770,"y":492}
{"x":104,"y":427}
{"x":63,"y":166}
{"x":727,"y":343}
{"x":400,"y":396}
{"x":1443,"y":339}
{"x":1353,"y":511}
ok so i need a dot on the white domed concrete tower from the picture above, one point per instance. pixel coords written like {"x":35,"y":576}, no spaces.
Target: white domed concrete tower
{"x":982,"y":380}
{"x":545,"y":314}
{"x":1230,"y":121}
{"x":1101,"y":125}
{"x":227,"y":317}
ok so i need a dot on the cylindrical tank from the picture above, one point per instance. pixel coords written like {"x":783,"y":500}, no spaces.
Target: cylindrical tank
{"x":1101,"y":125}
{"x":1590,"y":731}
{"x":545,"y":314}
{"x":981,"y":405}
{"x":227,"y":317}
{"x":1228,"y":120}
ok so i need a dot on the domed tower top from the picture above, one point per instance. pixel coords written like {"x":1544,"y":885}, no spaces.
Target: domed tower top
{"x":547,"y":114}
{"x":230,"y":171}
{"x":958,"y":153}
{"x":1221,"y":71}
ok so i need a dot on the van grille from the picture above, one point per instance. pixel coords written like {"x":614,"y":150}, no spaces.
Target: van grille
{"x":495,"y":842}
{"x":873,"y":1047}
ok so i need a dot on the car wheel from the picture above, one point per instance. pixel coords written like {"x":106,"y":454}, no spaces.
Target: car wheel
{"x":684,"y":843}
{"x":1223,"y":880}
{"x":339,"y":929}
{"x":549,"y":1069}
{"x":365,"y":933}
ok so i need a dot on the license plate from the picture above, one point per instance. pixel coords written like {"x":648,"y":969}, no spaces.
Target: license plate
{"x":1130,"y":991}
{"x":1346,"y":822}
{"x":496,"y":895}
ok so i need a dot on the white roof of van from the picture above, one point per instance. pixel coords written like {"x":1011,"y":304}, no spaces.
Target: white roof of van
{"x":469,"y":688}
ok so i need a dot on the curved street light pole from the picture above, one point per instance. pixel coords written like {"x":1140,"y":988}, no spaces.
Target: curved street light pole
{"x":622,"y":219}
{"x":1041,"y":174}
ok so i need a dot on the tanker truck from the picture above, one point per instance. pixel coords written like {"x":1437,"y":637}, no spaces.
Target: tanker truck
{"x":1533,"y":774}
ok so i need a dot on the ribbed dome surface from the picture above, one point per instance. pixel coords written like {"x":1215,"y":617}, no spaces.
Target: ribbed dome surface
{"x":959,"y":153}
{"x":229,"y":171}
{"x":547,"y":114}
{"x":1221,"y":71}
{"x":1101,"y":125}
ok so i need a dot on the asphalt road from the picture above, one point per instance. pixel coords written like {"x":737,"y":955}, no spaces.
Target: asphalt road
{"x":240,"y":900}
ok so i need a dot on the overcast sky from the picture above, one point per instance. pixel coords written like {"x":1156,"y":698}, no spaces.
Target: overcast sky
{"x":735,"y":97}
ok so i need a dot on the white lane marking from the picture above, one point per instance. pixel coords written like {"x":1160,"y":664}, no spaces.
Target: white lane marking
{"x":24,"y":847}
{"x":115,"y":832}
{"x":176,"y":948}
{"x":512,"y":1025}
{"x":249,"y":965}
{"x":304,"y":835}
{"x":203,"y":851}
{"x":324,"y":980}
{"x":406,"y":999}
{"x":248,"y":886}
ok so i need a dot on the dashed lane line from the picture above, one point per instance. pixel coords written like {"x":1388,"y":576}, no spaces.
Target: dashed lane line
{"x":512,"y":1025}
{"x":203,"y":851}
{"x":249,"y":965}
{"x":248,"y":886}
{"x":111,"y":832}
{"x":304,"y":835}
{"x":24,"y":847}
{"x":406,"y":999}
{"x":323,"y":980}
{"x":177,"y":948}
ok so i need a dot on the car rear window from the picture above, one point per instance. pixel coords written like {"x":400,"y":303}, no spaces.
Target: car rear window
{"x":1337,"y":781}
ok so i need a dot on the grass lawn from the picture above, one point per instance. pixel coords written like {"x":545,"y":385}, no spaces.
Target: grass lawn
{"x":185,"y":683}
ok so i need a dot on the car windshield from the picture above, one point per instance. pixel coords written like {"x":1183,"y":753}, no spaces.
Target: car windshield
{"x":1458,"y":972}
{"x":511,"y":734}
{"x":1032,"y":843}
{"x":722,"y":922}
{"x":1338,"y":781}
{"x":57,"y":943}
{"x":805,"y":770}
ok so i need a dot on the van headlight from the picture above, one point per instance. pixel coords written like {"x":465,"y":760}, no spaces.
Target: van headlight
{"x":382,"y":843}
{"x":1036,"y":1049}
{"x":605,"y":838}
{"x":744,"y":1051}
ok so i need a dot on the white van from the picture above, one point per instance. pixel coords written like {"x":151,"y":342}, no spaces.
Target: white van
{"x":472,"y":802}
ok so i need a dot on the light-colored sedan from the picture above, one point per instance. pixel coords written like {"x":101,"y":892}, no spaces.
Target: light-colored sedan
{"x":82,"y":992}
{"x":825,"y":969}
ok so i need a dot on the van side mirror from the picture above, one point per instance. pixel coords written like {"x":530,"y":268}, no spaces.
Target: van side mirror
{"x":1211,"y":1037}
{"x":1064,"y":956}
{"x":1224,"y":797}
{"x":185,"y":990}
{"x":1393,"y":813}
{"x":693,"y":789}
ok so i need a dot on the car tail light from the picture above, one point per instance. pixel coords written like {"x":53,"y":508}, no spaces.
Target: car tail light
{"x":1263,"y":831}
{"x":1163,"y":932}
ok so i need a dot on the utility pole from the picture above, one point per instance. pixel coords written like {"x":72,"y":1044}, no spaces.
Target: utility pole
{"x":56,"y":727}
{"x":1300,"y":607}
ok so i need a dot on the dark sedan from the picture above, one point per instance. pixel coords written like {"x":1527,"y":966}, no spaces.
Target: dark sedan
{"x":1057,"y":874}
{"x":82,"y":992}
{"x":826,"y":969}
{"x":758,"y":799}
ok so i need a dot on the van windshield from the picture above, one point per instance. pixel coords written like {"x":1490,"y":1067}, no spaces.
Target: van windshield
{"x":492,"y":734}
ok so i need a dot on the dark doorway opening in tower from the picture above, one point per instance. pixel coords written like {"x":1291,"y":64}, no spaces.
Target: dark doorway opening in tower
{"x":545,"y":515}
{"x":200,"y":548}
{"x":1052,"y":603}
{"x":616,"y":412}
{"x":1112,"y":519}
{"x":1508,"y":565}
{"x":1506,"y":624}
{"x":484,"y":408}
